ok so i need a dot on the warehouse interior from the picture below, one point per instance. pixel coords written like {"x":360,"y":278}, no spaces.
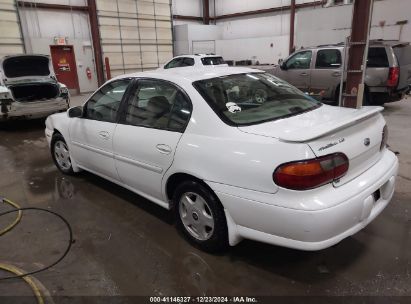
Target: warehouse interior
{"x":86,"y":238}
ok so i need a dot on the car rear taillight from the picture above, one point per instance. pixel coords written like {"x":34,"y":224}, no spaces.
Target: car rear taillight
{"x":384,"y":137}
{"x":393,"y":77}
{"x":311,"y":173}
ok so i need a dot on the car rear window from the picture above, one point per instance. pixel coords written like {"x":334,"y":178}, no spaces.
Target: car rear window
{"x":377,"y":58}
{"x":212,"y":60}
{"x":252,"y":98}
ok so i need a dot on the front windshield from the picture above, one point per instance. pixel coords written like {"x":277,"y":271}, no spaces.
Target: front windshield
{"x":252,"y":98}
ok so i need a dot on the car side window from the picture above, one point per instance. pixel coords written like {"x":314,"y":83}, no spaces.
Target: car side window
{"x":328,"y":59}
{"x":300,"y":60}
{"x":175,"y":63}
{"x":158,"y":104}
{"x":104,"y":104}
{"x":180,"y":62}
{"x":187,"y":62}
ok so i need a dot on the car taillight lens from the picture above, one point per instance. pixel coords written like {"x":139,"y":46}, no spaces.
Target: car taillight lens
{"x":393,"y":77}
{"x":311,"y":173}
{"x":384,"y":137}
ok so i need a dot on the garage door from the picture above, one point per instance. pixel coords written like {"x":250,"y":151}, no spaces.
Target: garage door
{"x":135,"y":35}
{"x":11,"y":41}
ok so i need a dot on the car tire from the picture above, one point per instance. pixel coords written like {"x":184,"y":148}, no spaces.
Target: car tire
{"x":200,"y":216}
{"x":61,"y":154}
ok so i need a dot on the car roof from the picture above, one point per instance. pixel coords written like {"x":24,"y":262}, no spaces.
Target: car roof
{"x":196,"y":56}
{"x":373,"y":42}
{"x":188,"y":74}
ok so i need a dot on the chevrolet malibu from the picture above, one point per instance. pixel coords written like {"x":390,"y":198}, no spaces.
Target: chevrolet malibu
{"x":235,"y":153}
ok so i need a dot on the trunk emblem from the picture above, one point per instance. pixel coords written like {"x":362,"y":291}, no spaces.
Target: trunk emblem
{"x":367,"y":142}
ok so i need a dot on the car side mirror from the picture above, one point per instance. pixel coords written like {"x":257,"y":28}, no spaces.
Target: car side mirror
{"x":75,"y":112}
{"x":280,"y":61}
{"x":283,"y":66}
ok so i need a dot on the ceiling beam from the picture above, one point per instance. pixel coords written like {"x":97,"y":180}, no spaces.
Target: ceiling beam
{"x":30,"y":4}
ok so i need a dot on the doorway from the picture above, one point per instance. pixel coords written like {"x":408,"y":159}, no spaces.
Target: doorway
{"x":64,"y":65}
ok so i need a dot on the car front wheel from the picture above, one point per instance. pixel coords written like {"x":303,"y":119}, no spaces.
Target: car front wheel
{"x":61,"y":154}
{"x":200,"y":216}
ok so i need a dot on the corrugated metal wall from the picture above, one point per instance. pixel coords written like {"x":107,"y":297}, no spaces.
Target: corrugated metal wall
{"x":135,"y":35}
{"x":11,"y":41}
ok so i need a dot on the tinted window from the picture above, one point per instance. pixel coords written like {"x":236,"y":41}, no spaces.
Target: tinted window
{"x":301,"y":60}
{"x":377,"y":58}
{"x":104,"y":104}
{"x":173,"y":63}
{"x":246,"y":99}
{"x":180,"y":62}
{"x":327,"y":59}
{"x":187,"y":62}
{"x":212,"y":60}
{"x":158,"y":104}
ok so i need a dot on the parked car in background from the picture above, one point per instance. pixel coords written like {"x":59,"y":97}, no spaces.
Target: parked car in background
{"x":29,"y":89}
{"x":197,"y":60}
{"x":235,"y":153}
{"x":317,"y":69}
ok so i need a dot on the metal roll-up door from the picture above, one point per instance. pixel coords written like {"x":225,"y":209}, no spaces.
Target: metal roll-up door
{"x":11,"y":40}
{"x":135,"y":35}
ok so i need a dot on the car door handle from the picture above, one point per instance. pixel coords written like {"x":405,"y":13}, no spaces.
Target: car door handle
{"x":104,"y":135}
{"x":164,"y":149}
{"x":304,"y":74}
{"x":336,"y":74}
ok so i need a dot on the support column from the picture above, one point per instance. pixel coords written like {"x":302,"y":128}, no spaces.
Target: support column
{"x":206,"y":12}
{"x":95,"y":36}
{"x":357,"y":54}
{"x":292,"y":25}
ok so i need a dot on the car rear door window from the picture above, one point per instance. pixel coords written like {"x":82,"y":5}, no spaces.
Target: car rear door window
{"x":187,"y":62}
{"x":328,"y":59}
{"x":300,"y":60}
{"x":212,"y":60}
{"x":158,"y":104}
{"x":104,"y":104}
{"x":377,"y":58}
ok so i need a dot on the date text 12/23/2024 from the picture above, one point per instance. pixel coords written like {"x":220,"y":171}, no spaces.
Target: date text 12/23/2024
{"x":204,"y":299}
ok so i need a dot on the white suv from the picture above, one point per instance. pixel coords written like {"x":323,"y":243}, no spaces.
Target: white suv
{"x":197,"y":60}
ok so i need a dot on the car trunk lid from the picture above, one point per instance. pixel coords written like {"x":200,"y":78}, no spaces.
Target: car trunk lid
{"x":327,"y":130}
{"x":26,"y":68}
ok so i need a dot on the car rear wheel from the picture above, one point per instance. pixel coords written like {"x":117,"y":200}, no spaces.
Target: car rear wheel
{"x":61,"y":154}
{"x":200,"y":216}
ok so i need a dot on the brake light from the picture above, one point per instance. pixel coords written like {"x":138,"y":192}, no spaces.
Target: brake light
{"x":384,"y":137}
{"x":393,"y":77}
{"x":311,"y":173}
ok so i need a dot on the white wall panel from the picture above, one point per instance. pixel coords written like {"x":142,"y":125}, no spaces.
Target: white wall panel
{"x":11,"y":38}
{"x":133,"y":33}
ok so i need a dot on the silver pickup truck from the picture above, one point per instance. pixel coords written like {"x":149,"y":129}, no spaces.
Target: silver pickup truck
{"x":29,"y":89}
{"x":318,"y":70}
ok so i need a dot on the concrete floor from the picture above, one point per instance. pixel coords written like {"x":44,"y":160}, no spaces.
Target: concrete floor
{"x":125,"y":245}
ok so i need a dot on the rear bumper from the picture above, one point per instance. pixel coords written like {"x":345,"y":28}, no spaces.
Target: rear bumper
{"x":33,"y":110}
{"x":313,"y":229}
{"x":390,"y":96}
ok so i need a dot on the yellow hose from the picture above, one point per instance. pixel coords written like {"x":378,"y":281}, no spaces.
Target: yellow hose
{"x":27,"y":279}
{"x":13,"y":269}
{"x":16,"y":221}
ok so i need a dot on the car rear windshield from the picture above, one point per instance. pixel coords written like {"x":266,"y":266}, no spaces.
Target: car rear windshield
{"x":212,"y":60}
{"x":377,"y":58}
{"x":252,"y":98}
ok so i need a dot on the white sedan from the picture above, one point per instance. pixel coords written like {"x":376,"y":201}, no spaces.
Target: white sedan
{"x":235,"y":153}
